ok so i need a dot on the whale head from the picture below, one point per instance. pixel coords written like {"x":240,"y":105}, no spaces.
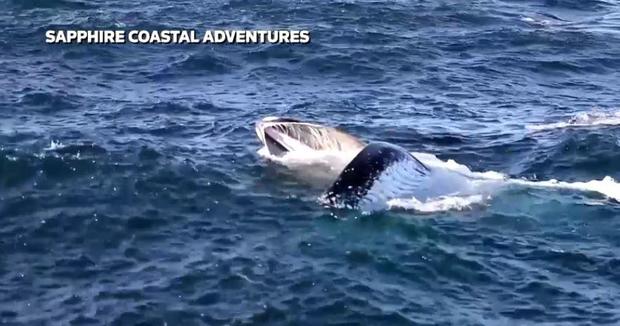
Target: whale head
{"x":283,"y":135}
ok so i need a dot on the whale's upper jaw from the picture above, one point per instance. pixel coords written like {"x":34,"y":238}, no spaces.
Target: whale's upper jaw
{"x":268,"y":135}
{"x":282,"y":135}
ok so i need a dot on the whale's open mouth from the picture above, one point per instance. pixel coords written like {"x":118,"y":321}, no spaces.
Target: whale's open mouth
{"x":282,"y":135}
{"x":363,"y":176}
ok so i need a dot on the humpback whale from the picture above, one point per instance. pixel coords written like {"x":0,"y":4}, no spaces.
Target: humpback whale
{"x":373,"y":176}
{"x":378,"y":170}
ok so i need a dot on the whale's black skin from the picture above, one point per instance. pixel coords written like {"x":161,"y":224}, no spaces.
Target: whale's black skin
{"x":358,"y":176}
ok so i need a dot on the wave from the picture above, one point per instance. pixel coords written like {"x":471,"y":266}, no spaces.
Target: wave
{"x":582,"y":119}
{"x":47,"y":102}
{"x":201,"y":62}
{"x":56,"y":162}
{"x":580,"y":4}
{"x":450,"y":186}
{"x":36,"y":4}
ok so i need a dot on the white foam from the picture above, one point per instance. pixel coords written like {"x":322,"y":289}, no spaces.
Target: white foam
{"x":449,"y":186}
{"x":438,"y":204}
{"x":543,"y":21}
{"x":606,"y":186}
{"x":54,"y":145}
{"x":583,"y":119}
{"x":537,"y":22}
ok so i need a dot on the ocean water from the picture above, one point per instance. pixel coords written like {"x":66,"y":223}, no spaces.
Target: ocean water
{"x":132,"y":191}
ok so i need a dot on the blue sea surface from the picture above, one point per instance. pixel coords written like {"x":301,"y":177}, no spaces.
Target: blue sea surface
{"x":131,"y":191}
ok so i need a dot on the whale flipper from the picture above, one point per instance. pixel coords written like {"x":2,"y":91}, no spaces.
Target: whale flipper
{"x":381,"y":171}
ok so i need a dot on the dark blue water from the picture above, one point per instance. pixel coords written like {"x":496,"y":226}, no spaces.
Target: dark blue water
{"x":131,"y":191}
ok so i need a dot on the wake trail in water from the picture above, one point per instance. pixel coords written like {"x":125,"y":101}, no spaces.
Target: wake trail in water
{"x":479,"y":187}
{"x":449,"y":186}
{"x":583,"y":119}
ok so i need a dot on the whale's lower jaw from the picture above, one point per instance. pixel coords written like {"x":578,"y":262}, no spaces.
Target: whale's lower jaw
{"x":381,"y":171}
